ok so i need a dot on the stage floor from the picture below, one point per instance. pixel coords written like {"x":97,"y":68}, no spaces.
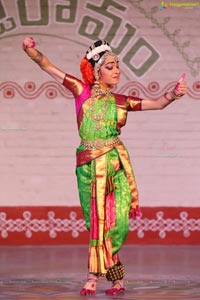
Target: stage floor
{"x":59,"y":272}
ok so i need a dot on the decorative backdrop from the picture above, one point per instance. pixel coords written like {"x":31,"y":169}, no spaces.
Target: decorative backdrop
{"x":156,"y":42}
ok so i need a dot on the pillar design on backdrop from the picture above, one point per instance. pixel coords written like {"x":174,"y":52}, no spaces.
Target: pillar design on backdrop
{"x":184,"y":223}
{"x":52,"y":90}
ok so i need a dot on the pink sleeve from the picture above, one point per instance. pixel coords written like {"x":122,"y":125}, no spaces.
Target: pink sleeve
{"x":80,"y":91}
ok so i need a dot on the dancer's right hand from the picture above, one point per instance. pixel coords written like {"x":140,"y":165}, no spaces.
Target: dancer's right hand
{"x":28,"y":42}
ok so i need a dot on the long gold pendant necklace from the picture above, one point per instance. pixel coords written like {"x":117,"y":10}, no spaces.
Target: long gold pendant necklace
{"x":99,"y":117}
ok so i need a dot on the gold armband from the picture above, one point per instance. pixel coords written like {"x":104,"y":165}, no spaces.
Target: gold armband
{"x":38,"y":58}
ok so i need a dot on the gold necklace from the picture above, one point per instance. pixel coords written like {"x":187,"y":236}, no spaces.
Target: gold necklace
{"x":99,"y":117}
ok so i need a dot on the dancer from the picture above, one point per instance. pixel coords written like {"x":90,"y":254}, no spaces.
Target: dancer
{"x":107,"y":188}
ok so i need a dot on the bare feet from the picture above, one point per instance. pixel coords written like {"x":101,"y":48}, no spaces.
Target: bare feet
{"x":90,"y":286}
{"x":117,"y":288}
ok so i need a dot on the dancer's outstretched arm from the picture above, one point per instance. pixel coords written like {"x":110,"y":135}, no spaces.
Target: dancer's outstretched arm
{"x":178,"y":92}
{"x":41,"y":60}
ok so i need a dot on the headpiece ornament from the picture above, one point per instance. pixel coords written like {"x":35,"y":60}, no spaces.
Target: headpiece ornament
{"x":97,"y":50}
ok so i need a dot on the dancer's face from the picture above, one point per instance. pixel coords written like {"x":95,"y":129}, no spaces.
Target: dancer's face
{"x":109,"y":73}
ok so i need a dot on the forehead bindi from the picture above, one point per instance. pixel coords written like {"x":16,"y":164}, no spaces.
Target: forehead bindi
{"x":110,"y":60}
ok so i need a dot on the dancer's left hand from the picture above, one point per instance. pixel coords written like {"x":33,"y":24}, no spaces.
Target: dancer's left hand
{"x":134,"y":212}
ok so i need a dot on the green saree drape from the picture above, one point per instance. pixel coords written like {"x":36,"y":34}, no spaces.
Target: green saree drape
{"x":106,"y":182}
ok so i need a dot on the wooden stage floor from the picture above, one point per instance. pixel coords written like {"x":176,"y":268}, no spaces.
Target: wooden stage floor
{"x":59,"y":272}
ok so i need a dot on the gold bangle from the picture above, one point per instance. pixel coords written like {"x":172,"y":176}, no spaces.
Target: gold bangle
{"x":174,"y":96}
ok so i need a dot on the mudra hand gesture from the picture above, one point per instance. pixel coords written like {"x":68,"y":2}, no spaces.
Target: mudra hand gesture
{"x":28,"y":42}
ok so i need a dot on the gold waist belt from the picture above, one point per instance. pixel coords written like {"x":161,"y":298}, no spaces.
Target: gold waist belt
{"x":99,"y":143}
